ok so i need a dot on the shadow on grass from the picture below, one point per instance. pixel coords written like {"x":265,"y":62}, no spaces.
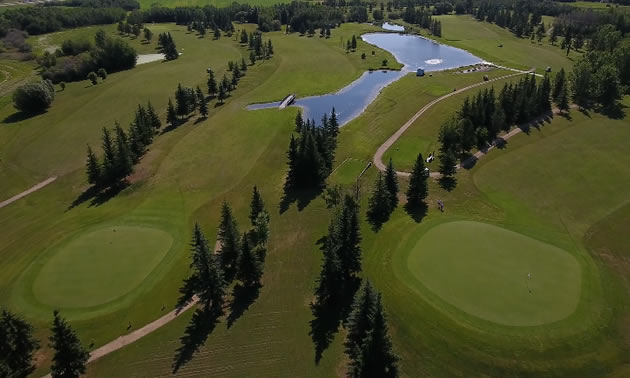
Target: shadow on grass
{"x":417,"y":212}
{"x":200,"y":327}
{"x":98,"y":196}
{"x":301,"y":196}
{"x":447,"y":183}
{"x":615,"y":111}
{"x":328,"y":315}
{"x":20,"y":116}
{"x":377,"y":220}
{"x":242,"y":298}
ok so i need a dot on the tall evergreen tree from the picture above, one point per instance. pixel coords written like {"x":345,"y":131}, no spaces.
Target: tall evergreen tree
{"x":360,"y":322}
{"x":70,"y":357}
{"x":256,"y":206}
{"x":299,"y":122}
{"x":123,"y":160}
{"x":250,"y":269}
{"x":558,"y":83}
{"x":379,"y":204}
{"x":391,"y":182}
{"x":292,"y":157}
{"x":109,"y":158}
{"x":212,"y":84}
{"x":418,"y":184}
{"x":229,"y":240}
{"x":17,"y":346}
{"x":171,"y":114}
{"x":377,"y":355}
{"x":206,"y":279}
{"x":93,"y":168}
{"x":154,"y":120}
{"x":563,"y":99}
{"x":448,"y":164}
{"x":222,"y":93}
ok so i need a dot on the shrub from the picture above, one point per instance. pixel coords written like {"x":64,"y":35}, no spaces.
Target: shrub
{"x":34,"y":97}
{"x":93,"y":78}
{"x":102,"y":73}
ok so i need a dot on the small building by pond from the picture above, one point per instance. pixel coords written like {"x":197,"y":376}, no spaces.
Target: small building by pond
{"x":420,"y":72}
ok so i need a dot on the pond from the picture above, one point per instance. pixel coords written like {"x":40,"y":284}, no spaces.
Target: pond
{"x":412,"y":51}
{"x":393,"y":27}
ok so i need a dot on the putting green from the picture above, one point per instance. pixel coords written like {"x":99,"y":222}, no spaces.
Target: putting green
{"x":483,"y":270}
{"x":100,"y":266}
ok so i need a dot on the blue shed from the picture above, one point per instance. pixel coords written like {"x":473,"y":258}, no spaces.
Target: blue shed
{"x":420,"y":72}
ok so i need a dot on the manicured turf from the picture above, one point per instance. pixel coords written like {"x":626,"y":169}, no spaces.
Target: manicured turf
{"x":484,"y":269}
{"x":100,"y":266}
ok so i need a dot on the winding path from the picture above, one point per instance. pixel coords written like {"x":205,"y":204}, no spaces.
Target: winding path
{"x":27,"y":192}
{"x":378,"y":156}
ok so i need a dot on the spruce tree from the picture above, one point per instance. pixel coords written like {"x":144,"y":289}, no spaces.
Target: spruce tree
{"x":447,"y":163}
{"x":123,"y":160}
{"x":243,"y":66}
{"x":70,"y":357}
{"x":269,"y":47}
{"x":17,"y":346}
{"x":299,"y":122}
{"x":256,"y":206}
{"x":212,"y":84}
{"x":93,"y":168}
{"x":377,"y":355}
{"x":171,"y":114}
{"x":347,"y":237}
{"x":260,"y":233}
{"x":379,"y":204}
{"x":353,"y":44}
{"x":563,"y":99}
{"x":203,"y":107}
{"x":154,"y":120}
{"x":182,"y":107}
{"x":252,"y":58}
{"x":222,"y":94}
{"x":558,"y":83}
{"x":292,"y":166}
{"x":229,"y":240}
{"x":206,"y":279}
{"x":418,"y":188}
{"x":109,"y":158}
{"x":360,"y":322}
{"x":250,"y":269}
{"x":391,"y":182}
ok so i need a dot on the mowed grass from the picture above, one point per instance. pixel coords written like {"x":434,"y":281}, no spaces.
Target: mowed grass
{"x":496,"y":274}
{"x":122,"y":257}
{"x":145,"y":4}
{"x":483,"y":39}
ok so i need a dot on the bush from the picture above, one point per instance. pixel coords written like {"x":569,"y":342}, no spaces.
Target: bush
{"x":93,"y":78}
{"x":34,"y":97}
{"x":102,"y":73}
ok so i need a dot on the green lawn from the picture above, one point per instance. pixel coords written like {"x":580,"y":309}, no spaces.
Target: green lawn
{"x":190,"y":171}
{"x":218,"y":3}
{"x":496,"y":274}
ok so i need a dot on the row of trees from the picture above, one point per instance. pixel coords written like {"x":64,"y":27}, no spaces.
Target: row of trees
{"x":167,"y":46}
{"x":77,"y":58}
{"x":312,"y":153}
{"x":18,"y":346}
{"x":123,"y":150}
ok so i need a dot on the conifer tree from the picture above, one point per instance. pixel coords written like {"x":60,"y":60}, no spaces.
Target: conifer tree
{"x":222,"y":94}
{"x":353,"y":44}
{"x":123,"y":160}
{"x":70,"y":357}
{"x":229,"y":240}
{"x":360,"y":321}
{"x":17,"y":346}
{"x":292,"y":156}
{"x":109,"y":158}
{"x":447,"y":163}
{"x":252,"y":58}
{"x":203,"y":106}
{"x":154,"y":120}
{"x":299,"y":122}
{"x":558,"y":83}
{"x":379,"y":204}
{"x":206,"y":279}
{"x":418,"y":186}
{"x":260,"y":233}
{"x":182,"y":107}
{"x":256,"y":206}
{"x":391,"y":182}
{"x":269,"y":48}
{"x":243,"y":66}
{"x":212,"y":84}
{"x":171,"y":114}
{"x":563,"y":99}
{"x":250,"y":269}
{"x":93,"y":168}
{"x":347,"y":237}
{"x":377,"y":355}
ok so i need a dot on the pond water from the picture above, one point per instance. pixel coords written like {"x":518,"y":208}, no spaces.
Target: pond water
{"x":393,"y":27}
{"x":412,"y":51}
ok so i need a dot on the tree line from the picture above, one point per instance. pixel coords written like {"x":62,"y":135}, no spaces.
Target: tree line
{"x":122,"y":150}
{"x":338,"y":299}
{"x":422,"y":17}
{"x":311,"y":155}
{"x":18,"y":346}
{"x":76,"y":58}
{"x":238,"y":258}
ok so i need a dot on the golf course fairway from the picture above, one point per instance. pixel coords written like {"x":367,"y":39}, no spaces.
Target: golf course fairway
{"x":100,"y":266}
{"x":496,"y":274}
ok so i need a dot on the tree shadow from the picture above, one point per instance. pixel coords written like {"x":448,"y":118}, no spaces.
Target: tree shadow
{"x":447,"y":183}
{"x":614,"y":111}
{"x":200,"y":327}
{"x":378,"y":220}
{"x":20,"y":116}
{"x":98,"y":196}
{"x":329,"y":314}
{"x":242,"y":298}
{"x":417,"y":212}
{"x":301,"y":196}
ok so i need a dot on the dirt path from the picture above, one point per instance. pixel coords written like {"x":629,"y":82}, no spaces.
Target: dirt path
{"x":378,"y":156}
{"x":27,"y":192}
